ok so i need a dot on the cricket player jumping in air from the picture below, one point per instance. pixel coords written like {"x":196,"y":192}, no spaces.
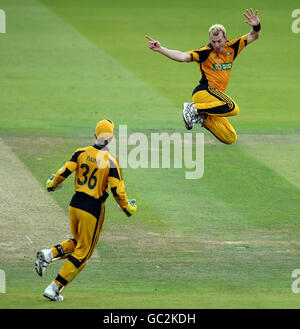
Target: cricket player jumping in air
{"x":95,"y":169}
{"x":211,"y":106}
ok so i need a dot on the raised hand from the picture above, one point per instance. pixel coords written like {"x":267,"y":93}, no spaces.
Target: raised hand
{"x":153,"y":44}
{"x":252,"y":19}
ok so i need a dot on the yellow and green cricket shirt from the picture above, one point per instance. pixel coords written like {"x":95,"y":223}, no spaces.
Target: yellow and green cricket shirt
{"x":214,"y":67}
{"x":96,"y":170}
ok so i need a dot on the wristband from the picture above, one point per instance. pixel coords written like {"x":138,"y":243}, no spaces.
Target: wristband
{"x":256,"y":28}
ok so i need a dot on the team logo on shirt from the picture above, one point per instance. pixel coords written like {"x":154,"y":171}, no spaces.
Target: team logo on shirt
{"x":222,"y":66}
{"x":229,"y":53}
{"x":217,"y":67}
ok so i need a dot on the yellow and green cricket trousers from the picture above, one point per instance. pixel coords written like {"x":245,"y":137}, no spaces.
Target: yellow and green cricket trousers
{"x":217,"y":106}
{"x":85,"y":226}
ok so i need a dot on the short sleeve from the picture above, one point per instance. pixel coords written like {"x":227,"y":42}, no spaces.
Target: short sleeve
{"x":199,"y":55}
{"x":194,"y":55}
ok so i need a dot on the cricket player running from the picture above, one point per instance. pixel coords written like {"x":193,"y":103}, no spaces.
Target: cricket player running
{"x":95,"y":169}
{"x":210,"y":105}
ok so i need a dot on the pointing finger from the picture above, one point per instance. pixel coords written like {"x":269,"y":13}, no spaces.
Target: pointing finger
{"x":149,"y":38}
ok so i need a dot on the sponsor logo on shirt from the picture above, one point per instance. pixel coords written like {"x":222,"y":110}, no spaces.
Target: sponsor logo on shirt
{"x":222,"y":66}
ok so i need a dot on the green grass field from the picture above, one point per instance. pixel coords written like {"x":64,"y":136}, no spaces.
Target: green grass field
{"x":228,"y":240}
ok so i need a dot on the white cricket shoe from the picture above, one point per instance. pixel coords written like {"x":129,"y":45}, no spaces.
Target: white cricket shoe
{"x":43,"y":259}
{"x":191,"y":116}
{"x":52,"y":292}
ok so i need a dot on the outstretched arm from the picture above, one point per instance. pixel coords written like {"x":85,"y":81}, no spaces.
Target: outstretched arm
{"x":253,"y":20}
{"x":175,"y":55}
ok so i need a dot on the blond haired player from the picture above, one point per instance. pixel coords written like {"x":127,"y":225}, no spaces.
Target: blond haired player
{"x":95,"y":169}
{"x":211,"y":106}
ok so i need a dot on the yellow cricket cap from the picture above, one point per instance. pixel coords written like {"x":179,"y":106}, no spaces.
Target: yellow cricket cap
{"x":104,"y":129}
